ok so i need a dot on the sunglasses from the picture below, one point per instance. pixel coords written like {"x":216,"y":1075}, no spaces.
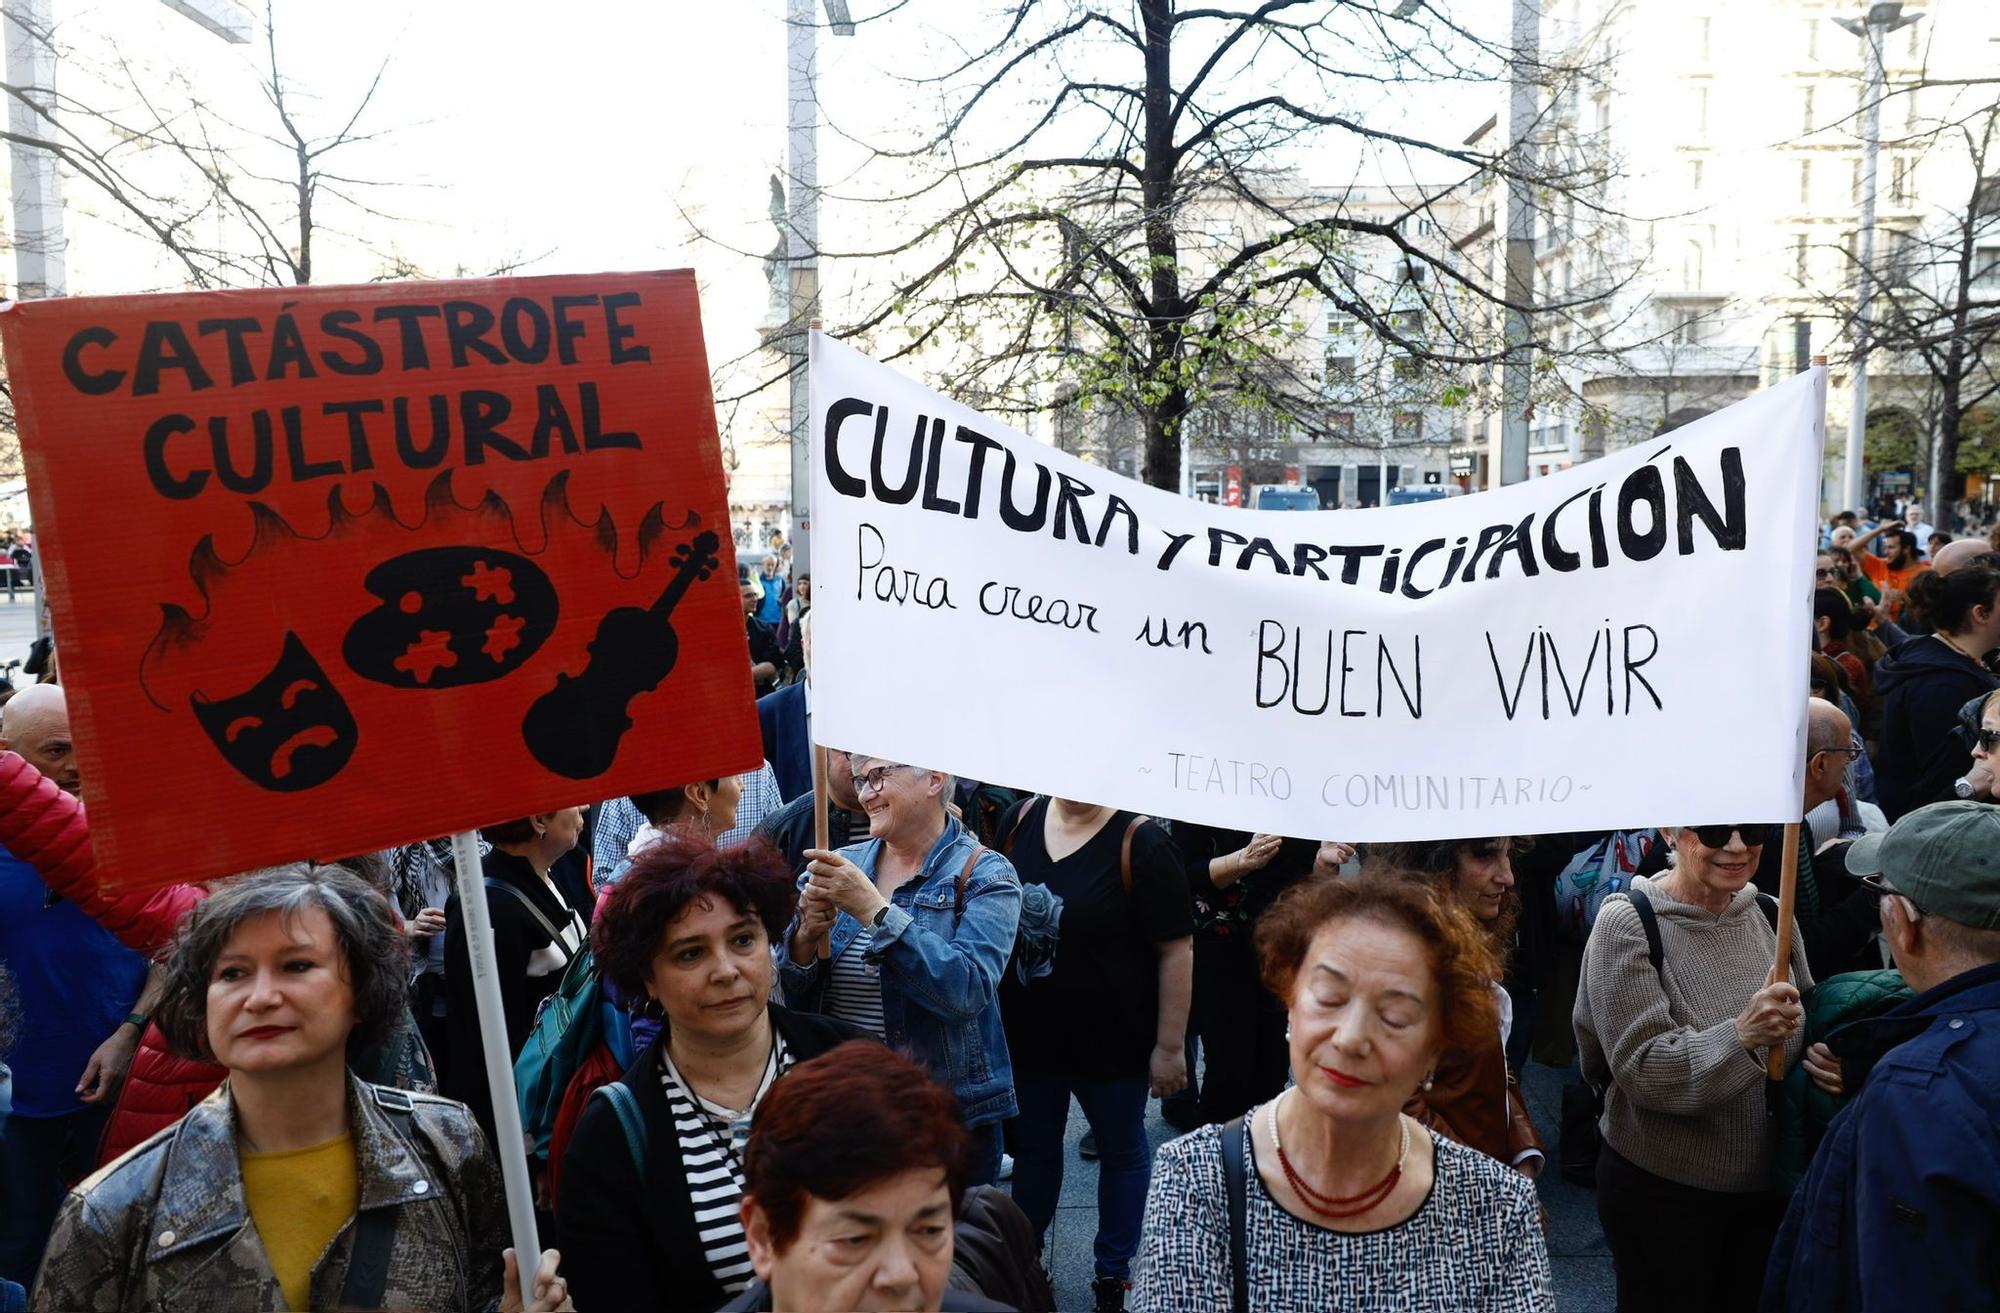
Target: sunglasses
{"x":1826,"y":573}
{"x":1717,"y":836}
{"x":1989,"y":739}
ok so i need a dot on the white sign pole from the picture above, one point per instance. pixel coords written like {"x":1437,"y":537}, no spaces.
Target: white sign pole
{"x":509,"y":1145}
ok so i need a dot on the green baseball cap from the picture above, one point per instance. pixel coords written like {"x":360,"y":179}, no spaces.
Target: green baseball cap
{"x":1945,"y":858}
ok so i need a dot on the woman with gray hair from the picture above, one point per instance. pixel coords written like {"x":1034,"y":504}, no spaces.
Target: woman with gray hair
{"x":296,"y":1184}
{"x":906,"y":934}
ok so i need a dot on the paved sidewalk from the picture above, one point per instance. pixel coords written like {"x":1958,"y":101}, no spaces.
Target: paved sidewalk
{"x":1577,"y":1255}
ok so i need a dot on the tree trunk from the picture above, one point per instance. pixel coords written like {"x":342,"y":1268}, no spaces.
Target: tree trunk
{"x":1163,"y":400}
{"x":1162,"y":467}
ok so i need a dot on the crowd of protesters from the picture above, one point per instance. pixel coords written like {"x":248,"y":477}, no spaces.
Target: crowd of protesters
{"x":759,"y":1072}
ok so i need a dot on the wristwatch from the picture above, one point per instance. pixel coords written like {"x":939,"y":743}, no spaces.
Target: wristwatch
{"x":876,"y":922}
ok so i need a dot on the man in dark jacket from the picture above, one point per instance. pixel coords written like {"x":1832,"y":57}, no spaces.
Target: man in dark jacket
{"x":1922,"y":684}
{"x":785,"y":717}
{"x":790,"y":828}
{"x":1836,"y":912}
{"x":1901,"y":1208}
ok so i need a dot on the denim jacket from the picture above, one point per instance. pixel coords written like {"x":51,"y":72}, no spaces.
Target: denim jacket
{"x":940,"y":979}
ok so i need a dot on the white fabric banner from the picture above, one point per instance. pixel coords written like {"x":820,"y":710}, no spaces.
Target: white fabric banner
{"x":1619,"y":645}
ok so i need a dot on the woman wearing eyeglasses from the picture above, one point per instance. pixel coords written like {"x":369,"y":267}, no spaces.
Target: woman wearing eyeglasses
{"x":1675,"y":1037}
{"x":906,"y":935}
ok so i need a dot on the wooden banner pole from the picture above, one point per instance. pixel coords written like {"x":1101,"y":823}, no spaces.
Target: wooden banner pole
{"x":509,"y":1145}
{"x":821,"y":836}
{"x":1788,"y":897}
{"x":1781,"y":970}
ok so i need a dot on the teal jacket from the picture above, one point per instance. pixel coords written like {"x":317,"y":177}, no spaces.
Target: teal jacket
{"x":1805,"y":1110}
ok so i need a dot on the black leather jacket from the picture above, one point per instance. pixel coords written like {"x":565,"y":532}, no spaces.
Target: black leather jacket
{"x":166,"y":1226}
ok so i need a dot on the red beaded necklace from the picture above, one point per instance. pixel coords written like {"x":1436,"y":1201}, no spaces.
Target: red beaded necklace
{"x":1327,"y":1205}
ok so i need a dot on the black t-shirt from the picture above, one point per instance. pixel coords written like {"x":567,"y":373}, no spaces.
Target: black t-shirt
{"x":1096,"y":1013}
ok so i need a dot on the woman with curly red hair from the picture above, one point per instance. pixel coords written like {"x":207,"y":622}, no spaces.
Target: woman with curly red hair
{"x":652,"y":1179}
{"x":1329,"y":1196}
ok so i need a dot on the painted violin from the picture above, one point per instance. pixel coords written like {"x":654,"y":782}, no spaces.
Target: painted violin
{"x":575,"y":728}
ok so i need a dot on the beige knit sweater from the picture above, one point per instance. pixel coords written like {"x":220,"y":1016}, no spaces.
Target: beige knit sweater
{"x":1684,"y":1100}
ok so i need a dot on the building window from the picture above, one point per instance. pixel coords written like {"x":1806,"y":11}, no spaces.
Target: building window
{"x":1901,"y":178}
{"x":1806,"y":110}
{"x":1691,"y":271}
{"x":1812,"y":39}
{"x":1340,"y":369}
{"x":1799,"y":246}
{"x":1409,"y":367}
{"x":1805,"y":181}
{"x":1340,"y":424}
{"x":1986,"y":267}
{"x":1901,"y":250}
{"x":1701,"y":109}
{"x":1409,"y":428}
{"x":1694,"y":174}
{"x":1701,"y":28}
{"x":1986,"y":197}
{"x":1854,"y":186}
{"x":1687,"y":326}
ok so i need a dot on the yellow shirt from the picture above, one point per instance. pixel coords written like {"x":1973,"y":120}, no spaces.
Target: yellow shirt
{"x":299,"y":1200}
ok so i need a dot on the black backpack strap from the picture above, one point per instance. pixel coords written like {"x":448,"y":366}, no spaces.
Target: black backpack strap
{"x":375,"y":1228}
{"x":1235,"y":1189}
{"x":1769,"y":907}
{"x":1649,"y":921}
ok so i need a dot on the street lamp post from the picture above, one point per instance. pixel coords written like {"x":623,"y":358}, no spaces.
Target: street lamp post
{"x":1881,"y":19}
{"x":802,"y":241}
{"x":41,"y":265}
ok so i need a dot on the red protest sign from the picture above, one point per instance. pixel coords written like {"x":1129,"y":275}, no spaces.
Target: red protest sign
{"x":336,"y":568}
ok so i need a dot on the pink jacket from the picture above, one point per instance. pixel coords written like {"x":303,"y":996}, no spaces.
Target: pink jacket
{"x":47,"y":828}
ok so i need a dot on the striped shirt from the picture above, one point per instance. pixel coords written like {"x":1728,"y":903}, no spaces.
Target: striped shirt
{"x":711,"y":1140}
{"x":854,"y":985}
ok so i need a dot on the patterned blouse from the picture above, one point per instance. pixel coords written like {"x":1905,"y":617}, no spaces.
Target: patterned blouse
{"x":1474,"y":1246}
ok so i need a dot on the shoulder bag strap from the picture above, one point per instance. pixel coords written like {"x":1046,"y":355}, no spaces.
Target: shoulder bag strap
{"x":375,"y":1228}
{"x":1235,"y":1188}
{"x":1769,"y":907}
{"x":1125,"y":852}
{"x":555,"y":935}
{"x":964,"y":878}
{"x":1020,"y":819}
